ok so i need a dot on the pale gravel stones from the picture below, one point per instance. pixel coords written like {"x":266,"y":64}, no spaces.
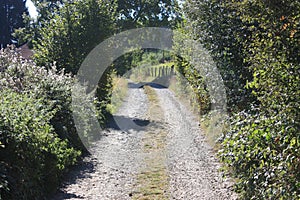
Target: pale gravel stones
{"x":193,"y":168}
{"x":110,"y":172}
{"x":115,"y":158}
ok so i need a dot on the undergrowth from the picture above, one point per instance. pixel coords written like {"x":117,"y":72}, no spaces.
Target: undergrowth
{"x":38,"y":139}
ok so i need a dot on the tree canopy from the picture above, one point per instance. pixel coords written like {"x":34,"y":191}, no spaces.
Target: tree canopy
{"x":145,"y":13}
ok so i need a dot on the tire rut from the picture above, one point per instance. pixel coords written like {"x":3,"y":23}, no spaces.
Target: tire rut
{"x":111,"y":172}
{"x":194,"y":170}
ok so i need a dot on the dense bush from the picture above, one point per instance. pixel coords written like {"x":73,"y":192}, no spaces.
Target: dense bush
{"x":213,"y":24}
{"x":262,"y":145}
{"x":37,"y":135}
{"x":52,"y":85}
{"x":189,"y":78}
{"x":255,"y":45}
{"x":263,"y":151}
{"x":32,"y":156}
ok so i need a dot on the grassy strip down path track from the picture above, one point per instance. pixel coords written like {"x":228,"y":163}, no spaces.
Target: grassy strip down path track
{"x":152,"y":181}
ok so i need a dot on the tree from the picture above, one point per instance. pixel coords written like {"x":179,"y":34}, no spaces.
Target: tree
{"x":69,"y":32}
{"x":145,"y":13}
{"x":72,"y":31}
{"x":11,"y":17}
{"x":255,"y":45}
{"x":222,"y":33}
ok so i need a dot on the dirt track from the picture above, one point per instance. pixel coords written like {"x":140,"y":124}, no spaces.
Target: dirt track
{"x":169,"y":141}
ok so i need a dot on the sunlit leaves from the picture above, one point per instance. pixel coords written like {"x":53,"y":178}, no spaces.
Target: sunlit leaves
{"x":35,"y":150}
{"x":272,"y":132}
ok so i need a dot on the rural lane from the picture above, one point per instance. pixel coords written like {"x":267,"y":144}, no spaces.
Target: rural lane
{"x":116,"y":168}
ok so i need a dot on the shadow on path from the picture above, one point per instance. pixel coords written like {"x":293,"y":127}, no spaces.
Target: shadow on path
{"x":124,"y":123}
{"x":82,"y":170}
{"x":154,"y":84}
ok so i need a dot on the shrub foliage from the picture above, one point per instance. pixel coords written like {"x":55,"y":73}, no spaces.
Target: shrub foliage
{"x":37,"y":136}
{"x":255,"y":45}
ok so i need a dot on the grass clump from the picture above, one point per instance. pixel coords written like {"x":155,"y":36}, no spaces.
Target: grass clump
{"x":119,"y":93}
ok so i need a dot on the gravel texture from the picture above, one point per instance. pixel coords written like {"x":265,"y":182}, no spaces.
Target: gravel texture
{"x":194,"y":171}
{"x":117,"y":158}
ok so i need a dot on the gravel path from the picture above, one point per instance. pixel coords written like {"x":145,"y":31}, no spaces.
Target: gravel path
{"x":111,"y":171}
{"x":193,"y":168}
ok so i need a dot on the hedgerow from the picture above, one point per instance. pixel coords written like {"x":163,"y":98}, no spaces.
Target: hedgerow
{"x":32,"y":155}
{"x":52,"y":85}
{"x":262,"y":144}
{"x":255,"y":45}
{"x":38,"y":137}
{"x":263,"y":152}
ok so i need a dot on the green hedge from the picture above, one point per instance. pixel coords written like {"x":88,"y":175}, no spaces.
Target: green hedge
{"x":32,"y":155}
{"x":38,"y":139}
{"x":50,"y":84}
{"x":255,"y":45}
{"x":263,"y":151}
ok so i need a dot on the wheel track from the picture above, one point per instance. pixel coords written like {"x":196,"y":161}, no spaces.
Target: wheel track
{"x":111,"y":171}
